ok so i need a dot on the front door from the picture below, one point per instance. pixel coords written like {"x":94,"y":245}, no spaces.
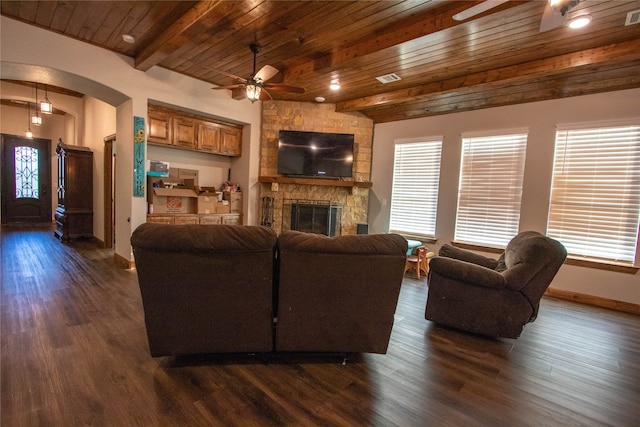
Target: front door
{"x":26,"y":180}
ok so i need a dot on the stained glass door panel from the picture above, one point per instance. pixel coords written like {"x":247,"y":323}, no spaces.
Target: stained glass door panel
{"x":26,"y":180}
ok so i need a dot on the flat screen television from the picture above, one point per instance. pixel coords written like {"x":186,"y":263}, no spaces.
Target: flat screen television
{"x":315,"y":154}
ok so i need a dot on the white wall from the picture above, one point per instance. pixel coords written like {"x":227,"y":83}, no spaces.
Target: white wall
{"x":541,"y":119}
{"x":30,"y":53}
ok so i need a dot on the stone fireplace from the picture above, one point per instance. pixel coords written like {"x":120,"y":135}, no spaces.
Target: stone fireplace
{"x":353,"y":200}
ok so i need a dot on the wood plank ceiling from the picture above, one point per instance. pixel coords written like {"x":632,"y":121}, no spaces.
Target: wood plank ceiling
{"x":493,"y":59}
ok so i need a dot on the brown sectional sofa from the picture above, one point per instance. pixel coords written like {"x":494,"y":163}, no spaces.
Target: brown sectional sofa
{"x":242,"y":289}
{"x":338,"y":294}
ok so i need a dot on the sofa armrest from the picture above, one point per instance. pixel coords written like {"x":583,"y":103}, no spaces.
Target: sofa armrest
{"x":450,"y":251}
{"x":467,"y":272}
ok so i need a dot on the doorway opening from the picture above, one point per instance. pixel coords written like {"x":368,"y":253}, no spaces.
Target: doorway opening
{"x":109,"y":191}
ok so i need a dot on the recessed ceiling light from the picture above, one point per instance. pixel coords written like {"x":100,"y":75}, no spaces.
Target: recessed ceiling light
{"x":580,"y":21}
{"x":335,"y":85}
{"x":319,"y":98}
{"x":128,"y":38}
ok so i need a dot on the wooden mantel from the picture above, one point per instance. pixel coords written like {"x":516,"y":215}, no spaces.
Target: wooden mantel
{"x":315,"y":181}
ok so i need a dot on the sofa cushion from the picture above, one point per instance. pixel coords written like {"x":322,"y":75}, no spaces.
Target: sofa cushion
{"x":206,"y":288}
{"x":338,"y":294}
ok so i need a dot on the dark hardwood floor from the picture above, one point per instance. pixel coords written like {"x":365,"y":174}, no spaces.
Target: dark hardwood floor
{"x":74,"y":352}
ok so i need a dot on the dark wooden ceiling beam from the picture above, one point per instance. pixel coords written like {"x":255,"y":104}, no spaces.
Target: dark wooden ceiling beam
{"x":616,"y":53}
{"x":429,"y":22}
{"x":590,"y":80}
{"x":173,"y":38}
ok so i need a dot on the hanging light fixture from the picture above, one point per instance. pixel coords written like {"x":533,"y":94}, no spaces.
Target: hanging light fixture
{"x":46,"y":106}
{"x":28,"y":132}
{"x":253,"y":90}
{"x":36,"y":119}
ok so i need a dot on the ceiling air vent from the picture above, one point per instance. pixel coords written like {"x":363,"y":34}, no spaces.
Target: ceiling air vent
{"x":632,"y":17}
{"x":388,"y":78}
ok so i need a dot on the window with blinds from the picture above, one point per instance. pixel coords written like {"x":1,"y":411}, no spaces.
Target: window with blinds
{"x":490,"y":189}
{"x":414,"y":196}
{"x":595,"y":193}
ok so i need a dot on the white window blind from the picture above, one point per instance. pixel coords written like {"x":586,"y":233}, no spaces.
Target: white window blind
{"x":490,"y":189}
{"x":595,"y":193}
{"x":414,"y":196}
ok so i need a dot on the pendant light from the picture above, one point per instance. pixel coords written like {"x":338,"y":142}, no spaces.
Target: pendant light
{"x":28,"y":132}
{"x":36,"y":119}
{"x":46,"y":106}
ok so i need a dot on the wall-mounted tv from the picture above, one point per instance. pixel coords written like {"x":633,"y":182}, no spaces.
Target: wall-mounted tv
{"x":317,"y":154}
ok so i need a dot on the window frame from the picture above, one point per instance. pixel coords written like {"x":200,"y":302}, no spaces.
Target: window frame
{"x":586,"y":258}
{"x":432,"y":193}
{"x":476,"y":227}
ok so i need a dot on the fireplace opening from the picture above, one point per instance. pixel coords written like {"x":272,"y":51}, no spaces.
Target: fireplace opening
{"x":312,"y":216}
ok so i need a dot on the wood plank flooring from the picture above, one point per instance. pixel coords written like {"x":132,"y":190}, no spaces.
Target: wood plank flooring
{"x":74,"y":352}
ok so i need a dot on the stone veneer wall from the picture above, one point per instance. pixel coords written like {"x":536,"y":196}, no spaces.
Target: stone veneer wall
{"x":305,"y":116}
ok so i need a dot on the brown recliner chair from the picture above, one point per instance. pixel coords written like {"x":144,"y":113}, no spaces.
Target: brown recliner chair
{"x":205,"y":288}
{"x":497,"y":298}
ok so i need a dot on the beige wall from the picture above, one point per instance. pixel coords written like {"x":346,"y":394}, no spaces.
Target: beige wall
{"x":540,"y":119}
{"x":286,"y":115}
{"x":99,"y":121}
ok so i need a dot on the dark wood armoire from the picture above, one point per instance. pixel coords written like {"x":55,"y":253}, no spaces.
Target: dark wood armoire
{"x":74,"y":214}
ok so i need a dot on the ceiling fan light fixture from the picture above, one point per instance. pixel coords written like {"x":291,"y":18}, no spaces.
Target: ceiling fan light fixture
{"x":253,"y":91}
{"x":563,"y":6}
{"x":580,"y":21}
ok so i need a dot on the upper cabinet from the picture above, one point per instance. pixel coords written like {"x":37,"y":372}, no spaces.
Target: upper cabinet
{"x":159,"y":127}
{"x":184,"y":133}
{"x":178,"y":129}
{"x":209,"y":137}
{"x":231,"y":141}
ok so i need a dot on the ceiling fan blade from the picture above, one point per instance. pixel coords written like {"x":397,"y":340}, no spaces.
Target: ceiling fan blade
{"x":477,"y":9}
{"x":265,"y":73}
{"x":551,"y":18}
{"x":284,"y":88}
{"x":228,"y":87}
{"x":265,"y":95}
{"x":233,"y":76}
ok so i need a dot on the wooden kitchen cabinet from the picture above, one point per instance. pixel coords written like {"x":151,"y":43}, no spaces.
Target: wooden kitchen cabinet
{"x":159,"y":127}
{"x":231,"y":141}
{"x":176,"y":219}
{"x":208,"y":137}
{"x":186,"y":131}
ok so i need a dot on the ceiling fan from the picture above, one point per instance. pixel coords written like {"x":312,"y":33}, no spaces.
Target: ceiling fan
{"x":554,"y":14}
{"x":256,"y":86}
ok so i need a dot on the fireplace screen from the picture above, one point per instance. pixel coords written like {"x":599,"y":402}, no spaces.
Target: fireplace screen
{"x":312,"y":216}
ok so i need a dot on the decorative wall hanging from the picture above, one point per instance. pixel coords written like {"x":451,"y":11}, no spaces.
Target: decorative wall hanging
{"x":138,"y":157}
